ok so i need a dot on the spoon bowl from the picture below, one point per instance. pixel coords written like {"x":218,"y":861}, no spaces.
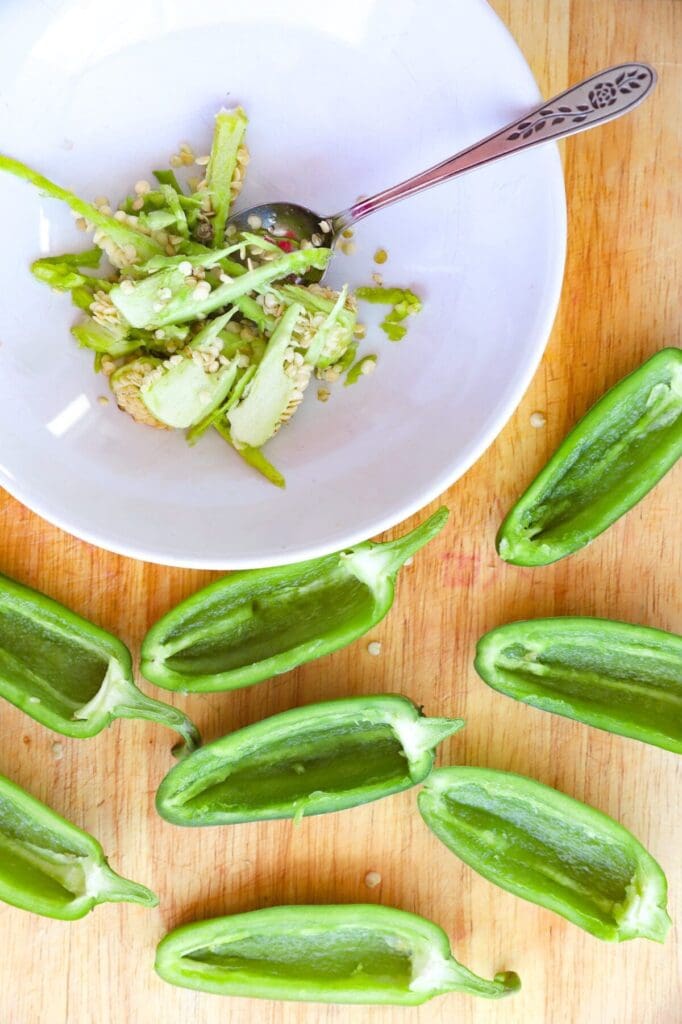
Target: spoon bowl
{"x":286,"y":224}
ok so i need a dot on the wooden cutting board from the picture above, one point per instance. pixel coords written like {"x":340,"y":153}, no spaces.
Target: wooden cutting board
{"x":621,"y":303}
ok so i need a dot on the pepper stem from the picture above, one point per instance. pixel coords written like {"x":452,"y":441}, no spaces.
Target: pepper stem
{"x":463,"y":980}
{"x":433,"y":731}
{"x":437,"y":975}
{"x":111,"y":887}
{"x":118,"y":697}
{"x":139,"y":705}
{"x":396,"y":552}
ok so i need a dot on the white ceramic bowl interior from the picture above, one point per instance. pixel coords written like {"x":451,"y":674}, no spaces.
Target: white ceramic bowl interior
{"x":344,"y":97}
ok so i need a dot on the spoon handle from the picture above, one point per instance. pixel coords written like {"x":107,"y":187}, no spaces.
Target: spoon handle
{"x":600,"y":98}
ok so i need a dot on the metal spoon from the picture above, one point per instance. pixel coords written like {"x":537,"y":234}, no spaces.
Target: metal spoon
{"x":597,"y":99}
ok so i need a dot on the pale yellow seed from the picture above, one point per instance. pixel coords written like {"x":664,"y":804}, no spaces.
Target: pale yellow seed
{"x":538,"y":419}
{"x":380,"y":256}
{"x":142,"y":187}
{"x":372,"y":879}
{"x":374,"y":648}
{"x":103,"y":400}
{"x":202,"y":161}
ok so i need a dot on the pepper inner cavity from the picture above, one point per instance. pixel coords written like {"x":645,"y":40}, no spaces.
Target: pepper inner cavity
{"x":603,"y":463}
{"x":347,"y":956}
{"x":31,"y":857}
{"x":45,"y":663}
{"x":331,"y":759}
{"x":578,"y":865}
{"x":640,"y":680}
{"x":276,"y":621}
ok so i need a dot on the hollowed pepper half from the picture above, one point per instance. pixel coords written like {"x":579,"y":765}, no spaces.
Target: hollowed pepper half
{"x":609,"y":461}
{"x":550,"y":849}
{"x":622,"y":678}
{"x":355,"y":953}
{"x":69,"y":674}
{"x":257,"y":623}
{"x":310,"y":760}
{"x":49,"y":866}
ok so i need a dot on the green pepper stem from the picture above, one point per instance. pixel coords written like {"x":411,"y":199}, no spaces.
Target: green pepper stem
{"x":433,"y":731}
{"x":437,"y":975}
{"x":139,"y":705}
{"x":505,"y":983}
{"x":113,"y":888}
{"x":396,"y":552}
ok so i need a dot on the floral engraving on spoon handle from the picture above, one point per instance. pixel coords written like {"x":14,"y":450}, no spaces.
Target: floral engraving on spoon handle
{"x":599,"y":98}
{"x":592,"y":100}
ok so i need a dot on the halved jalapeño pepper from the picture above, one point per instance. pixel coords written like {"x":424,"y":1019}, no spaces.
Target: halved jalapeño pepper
{"x":608,"y":462}
{"x":322,"y":954}
{"x":622,"y":678}
{"x":69,"y":674}
{"x":50,"y":867}
{"x":550,"y":849}
{"x":311,"y":760}
{"x":257,"y":623}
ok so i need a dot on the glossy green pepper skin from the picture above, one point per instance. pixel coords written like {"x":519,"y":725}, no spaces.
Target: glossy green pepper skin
{"x":257,"y":623}
{"x":622,"y":678}
{"x":69,"y":674}
{"x":322,"y":954}
{"x":608,"y":462}
{"x":50,"y":867}
{"x":548,"y":848}
{"x":310,"y":760}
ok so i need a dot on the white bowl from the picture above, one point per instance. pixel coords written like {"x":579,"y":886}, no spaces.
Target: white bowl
{"x":345,"y":97}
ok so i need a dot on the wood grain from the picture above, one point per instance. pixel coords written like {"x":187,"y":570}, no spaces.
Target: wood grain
{"x":621,"y":303}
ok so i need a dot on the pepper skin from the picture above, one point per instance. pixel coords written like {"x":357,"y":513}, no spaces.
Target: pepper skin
{"x":608,"y":462}
{"x":50,"y":867}
{"x":622,"y":678}
{"x":310,"y":760}
{"x":355,"y":953}
{"x":69,"y":674}
{"x":550,"y":849}
{"x":258,"y":623}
